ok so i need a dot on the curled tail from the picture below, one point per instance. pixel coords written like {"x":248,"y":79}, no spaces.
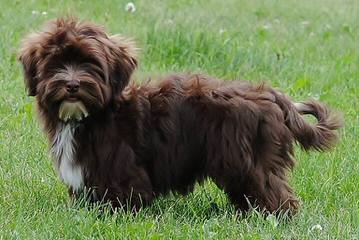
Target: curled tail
{"x":320,"y":136}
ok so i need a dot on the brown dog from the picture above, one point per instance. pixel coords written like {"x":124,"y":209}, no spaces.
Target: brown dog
{"x":130,"y":143}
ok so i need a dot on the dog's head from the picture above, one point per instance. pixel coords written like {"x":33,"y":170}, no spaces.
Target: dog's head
{"x":74,"y":68}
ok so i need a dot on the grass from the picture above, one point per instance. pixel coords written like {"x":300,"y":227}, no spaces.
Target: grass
{"x":308,"y":48}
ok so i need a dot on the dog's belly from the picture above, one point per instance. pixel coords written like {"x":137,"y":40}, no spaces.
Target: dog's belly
{"x":63,"y":150}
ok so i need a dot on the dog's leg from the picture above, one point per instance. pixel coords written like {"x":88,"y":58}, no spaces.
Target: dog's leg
{"x":265,"y":190}
{"x":263,"y":184}
{"x":132,"y":199}
{"x":235,"y":189}
{"x":235,"y":186}
{"x":270,"y":192}
{"x":130,"y":190}
{"x":266,"y":182}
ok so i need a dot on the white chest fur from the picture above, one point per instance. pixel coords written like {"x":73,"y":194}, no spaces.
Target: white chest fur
{"x":63,"y":150}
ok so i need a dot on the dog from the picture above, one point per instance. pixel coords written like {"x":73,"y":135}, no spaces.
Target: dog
{"x":131,"y":143}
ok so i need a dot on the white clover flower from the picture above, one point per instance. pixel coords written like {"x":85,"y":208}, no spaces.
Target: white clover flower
{"x":169,"y":21}
{"x":130,"y":7}
{"x":44,"y":13}
{"x":267,"y":26}
{"x":327,"y":27}
{"x":305,"y":23}
{"x":221,"y":31}
{"x":316,"y":227}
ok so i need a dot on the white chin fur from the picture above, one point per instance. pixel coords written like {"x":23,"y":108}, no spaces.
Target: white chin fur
{"x":72,"y":111}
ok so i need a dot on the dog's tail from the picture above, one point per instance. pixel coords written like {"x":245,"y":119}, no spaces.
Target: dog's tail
{"x":320,"y":136}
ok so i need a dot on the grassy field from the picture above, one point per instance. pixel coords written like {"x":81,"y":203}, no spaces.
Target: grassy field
{"x":308,"y":48}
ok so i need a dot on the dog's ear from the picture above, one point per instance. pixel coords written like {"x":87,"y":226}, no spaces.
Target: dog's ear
{"x":122,"y":60}
{"x":29,"y":58}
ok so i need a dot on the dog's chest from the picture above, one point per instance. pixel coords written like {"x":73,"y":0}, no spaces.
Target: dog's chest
{"x":63,"y":150}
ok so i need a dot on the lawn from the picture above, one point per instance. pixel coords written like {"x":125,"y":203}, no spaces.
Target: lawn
{"x":308,"y":48}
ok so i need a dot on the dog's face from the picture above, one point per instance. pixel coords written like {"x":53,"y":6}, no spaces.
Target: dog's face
{"x":74,"y":68}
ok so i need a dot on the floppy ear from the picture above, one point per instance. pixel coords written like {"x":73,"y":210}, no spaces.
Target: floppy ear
{"x":29,"y":58}
{"x":123,"y":61}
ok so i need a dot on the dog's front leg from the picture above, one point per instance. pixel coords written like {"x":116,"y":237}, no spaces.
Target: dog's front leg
{"x":122,"y":180}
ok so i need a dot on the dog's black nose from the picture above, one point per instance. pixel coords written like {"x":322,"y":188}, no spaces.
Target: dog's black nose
{"x":72,"y":86}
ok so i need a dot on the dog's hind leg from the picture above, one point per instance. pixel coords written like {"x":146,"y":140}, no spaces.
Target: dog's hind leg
{"x":270,"y":192}
{"x":259,"y":188}
{"x":266,"y":181}
{"x":263,"y":184}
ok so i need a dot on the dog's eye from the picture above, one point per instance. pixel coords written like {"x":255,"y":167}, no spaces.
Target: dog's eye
{"x":95,"y":69}
{"x":99,"y":71}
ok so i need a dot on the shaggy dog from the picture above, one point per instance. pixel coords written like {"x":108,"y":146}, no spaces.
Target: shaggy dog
{"x":130,"y":143}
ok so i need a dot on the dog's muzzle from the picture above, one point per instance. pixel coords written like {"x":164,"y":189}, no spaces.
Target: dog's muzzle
{"x":72,"y":111}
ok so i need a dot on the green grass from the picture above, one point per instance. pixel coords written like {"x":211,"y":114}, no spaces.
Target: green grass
{"x":308,"y":48}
